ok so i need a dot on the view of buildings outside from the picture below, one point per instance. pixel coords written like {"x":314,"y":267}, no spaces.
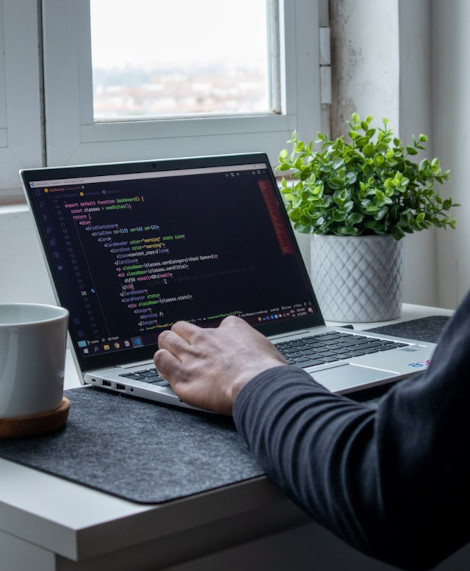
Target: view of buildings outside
{"x":154,"y":58}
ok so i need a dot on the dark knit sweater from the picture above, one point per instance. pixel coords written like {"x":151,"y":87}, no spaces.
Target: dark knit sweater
{"x":393,"y":481}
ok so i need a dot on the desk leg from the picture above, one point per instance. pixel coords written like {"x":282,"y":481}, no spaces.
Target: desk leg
{"x":17,"y":554}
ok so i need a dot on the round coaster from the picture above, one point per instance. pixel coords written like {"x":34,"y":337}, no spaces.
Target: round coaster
{"x":34,"y":425}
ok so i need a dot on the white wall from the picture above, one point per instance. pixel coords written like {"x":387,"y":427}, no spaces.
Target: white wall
{"x":434,"y":89}
{"x":381,"y":67}
{"x":23,"y":275}
{"x":434,"y":96}
{"x":365,"y":66}
{"x":451,"y":133}
{"x":421,"y":272}
{"x":428,"y":89}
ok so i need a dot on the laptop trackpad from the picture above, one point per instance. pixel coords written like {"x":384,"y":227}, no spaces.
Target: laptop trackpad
{"x":345,"y":378}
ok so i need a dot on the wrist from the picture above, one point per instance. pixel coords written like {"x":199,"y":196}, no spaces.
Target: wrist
{"x":247,"y":377}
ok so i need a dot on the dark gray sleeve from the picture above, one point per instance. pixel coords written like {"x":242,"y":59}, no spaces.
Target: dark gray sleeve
{"x":393,"y":482}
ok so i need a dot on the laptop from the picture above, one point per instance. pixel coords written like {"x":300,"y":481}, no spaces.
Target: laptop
{"x":133,"y":247}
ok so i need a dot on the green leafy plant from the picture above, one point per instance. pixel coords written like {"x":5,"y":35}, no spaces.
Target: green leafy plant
{"x":368,"y":185}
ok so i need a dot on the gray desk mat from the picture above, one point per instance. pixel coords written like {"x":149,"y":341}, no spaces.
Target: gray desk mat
{"x":137,"y":450}
{"x":425,"y":329}
{"x":149,"y":453}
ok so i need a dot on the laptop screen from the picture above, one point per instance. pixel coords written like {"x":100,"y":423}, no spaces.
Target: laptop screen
{"x":134,"y":247}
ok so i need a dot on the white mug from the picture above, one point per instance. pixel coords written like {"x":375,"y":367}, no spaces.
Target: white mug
{"x":33,"y":341}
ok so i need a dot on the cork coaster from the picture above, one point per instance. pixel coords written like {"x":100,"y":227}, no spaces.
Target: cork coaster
{"x":34,"y":425}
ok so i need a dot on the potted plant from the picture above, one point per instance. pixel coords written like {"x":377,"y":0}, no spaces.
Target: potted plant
{"x":364,"y":192}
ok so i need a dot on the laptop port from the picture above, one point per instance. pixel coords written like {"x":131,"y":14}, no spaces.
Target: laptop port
{"x":106,"y":383}
{"x":120,"y":387}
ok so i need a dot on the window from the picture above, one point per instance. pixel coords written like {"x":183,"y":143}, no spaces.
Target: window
{"x":74,"y":135}
{"x":49,"y":114}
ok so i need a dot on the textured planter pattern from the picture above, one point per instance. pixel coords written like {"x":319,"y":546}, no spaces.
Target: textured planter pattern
{"x":357,"y":278}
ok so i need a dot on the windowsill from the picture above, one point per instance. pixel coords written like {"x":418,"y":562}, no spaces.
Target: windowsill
{"x":13,"y":208}
{"x":12,"y":197}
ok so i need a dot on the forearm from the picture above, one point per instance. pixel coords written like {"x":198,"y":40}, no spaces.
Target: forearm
{"x":311,"y":443}
{"x":359,"y":472}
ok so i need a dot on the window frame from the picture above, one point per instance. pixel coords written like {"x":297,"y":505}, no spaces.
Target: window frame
{"x":72,"y":136}
{"x":20,"y":99}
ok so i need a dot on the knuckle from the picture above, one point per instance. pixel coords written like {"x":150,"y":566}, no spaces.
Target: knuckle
{"x":163,"y":337}
{"x":230,"y":319}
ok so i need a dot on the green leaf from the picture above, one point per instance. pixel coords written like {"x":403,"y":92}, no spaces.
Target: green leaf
{"x":368,"y":150}
{"x":337,"y":163}
{"x":368,"y":183}
{"x":379,"y":160}
{"x":355,"y":218}
{"x":361,"y":141}
{"x":381,"y":213}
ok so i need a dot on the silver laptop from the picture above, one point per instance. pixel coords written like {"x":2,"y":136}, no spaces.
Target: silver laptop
{"x":133,"y":247}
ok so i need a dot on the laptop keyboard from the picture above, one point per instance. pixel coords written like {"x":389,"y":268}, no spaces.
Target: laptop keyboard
{"x":150,"y":376}
{"x":303,"y":352}
{"x":333,"y":346}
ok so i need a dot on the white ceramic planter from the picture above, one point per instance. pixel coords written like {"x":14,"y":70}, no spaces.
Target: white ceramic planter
{"x":357,"y":278}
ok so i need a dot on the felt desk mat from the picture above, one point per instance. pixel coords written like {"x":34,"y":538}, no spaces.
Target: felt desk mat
{"x":149,"y":453}
{"x":425,"y":329}
{"x":137,"y":450}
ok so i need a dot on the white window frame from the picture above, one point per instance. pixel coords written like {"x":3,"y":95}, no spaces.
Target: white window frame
{"x":72,"y":136}
{"x":20,"y":101}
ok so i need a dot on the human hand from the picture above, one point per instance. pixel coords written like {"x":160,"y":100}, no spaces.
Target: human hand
{"x":208,"y":367}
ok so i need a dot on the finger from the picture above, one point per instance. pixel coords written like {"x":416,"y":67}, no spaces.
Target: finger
{"x":166,"y":363}
{"x":171,"y":341}
{"x":185,"y":329}
{"x":233,"y":321}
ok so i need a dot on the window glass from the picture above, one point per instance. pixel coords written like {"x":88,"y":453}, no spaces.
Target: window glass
{"x":155,"y":58}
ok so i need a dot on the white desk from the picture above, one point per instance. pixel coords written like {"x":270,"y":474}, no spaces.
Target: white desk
{"x":47,"y":523}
